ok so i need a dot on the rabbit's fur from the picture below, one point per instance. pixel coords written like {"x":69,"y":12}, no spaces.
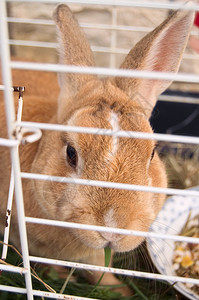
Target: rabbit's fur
{"x":84,"y":100}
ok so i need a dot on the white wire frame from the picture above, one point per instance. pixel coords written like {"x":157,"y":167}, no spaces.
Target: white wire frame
{"x":113,"y":50}
{"x":34,"y":128}
{"x":124,"y":3}
{"x":111,"y":27}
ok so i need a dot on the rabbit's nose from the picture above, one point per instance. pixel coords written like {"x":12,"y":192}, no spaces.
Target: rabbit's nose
{"x":109,"y":218}
{"x":110,"y":221}
{"x":111,"y":237}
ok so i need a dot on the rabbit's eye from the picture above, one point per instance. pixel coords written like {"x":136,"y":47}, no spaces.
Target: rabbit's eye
{"x":152,"y":155}
{"x":71,"y":156}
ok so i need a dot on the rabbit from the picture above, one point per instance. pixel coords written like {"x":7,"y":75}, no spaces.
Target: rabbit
{"x":117,"y":103}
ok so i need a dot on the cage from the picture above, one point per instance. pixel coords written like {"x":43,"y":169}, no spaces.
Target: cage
{"x":28,"y":35}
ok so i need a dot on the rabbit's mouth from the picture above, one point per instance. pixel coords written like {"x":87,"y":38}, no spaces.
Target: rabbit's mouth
{"x":125,"y":244}
{"x":117,"y":242}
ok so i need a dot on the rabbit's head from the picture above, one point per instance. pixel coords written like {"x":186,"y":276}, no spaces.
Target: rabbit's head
{"x":118,"y":104}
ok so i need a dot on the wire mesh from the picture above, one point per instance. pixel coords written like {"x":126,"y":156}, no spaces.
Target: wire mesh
{"x":35,"y":130}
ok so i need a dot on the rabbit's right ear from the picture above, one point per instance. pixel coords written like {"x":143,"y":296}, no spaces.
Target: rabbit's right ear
{"x":74,"y":50}
{"x":161,"y":50}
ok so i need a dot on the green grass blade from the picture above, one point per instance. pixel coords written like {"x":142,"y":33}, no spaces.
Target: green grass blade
{"x":107,"y":256}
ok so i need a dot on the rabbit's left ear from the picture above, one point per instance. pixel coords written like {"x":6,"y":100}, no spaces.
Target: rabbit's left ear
{"x":160,"y":50}
{"x":74,"y":50}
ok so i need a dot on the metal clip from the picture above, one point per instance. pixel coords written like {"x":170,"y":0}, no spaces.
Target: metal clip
{"x":28,"y":135}
{"x":24,"y":135}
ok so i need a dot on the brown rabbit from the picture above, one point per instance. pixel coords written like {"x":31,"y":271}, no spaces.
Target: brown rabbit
{"x":85,"y":100}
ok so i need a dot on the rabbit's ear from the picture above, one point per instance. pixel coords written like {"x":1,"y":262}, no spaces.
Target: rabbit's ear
{"x":74,"y":49}
{"x":160,"y":50}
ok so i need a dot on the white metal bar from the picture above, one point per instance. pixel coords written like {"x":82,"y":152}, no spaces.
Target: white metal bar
{"x":10,"y":117}
{"x":21,"y":220}
{"x":2,"y":88}
{"x":112,"y":230}
{"x":141,"y":4}
{"x":10,"y":268}
{"x":11,"y":190}
{"x":30,"y":21}
{"x":179,"y":99}
{"x":113,"y":41}
{"x":83,"y":25}
{"x":42,"y":294}
{"x":112,"y":50}
{"x":6,"y":73}
{"x":110,"y":132}
{"x":8,"y":143}
{"x":191,"y":56}
{"x":8,"y":217}
{"x":171,"y":98}
{"x":59,"y":296}
{"x":88,"y":25}
{"x":33,"y":44}
{"x":115,"y":270}
{"x":105,"y":71}
{"x":27,"y":43}
{"x":113,"y":185}
{"x":13,"y":289}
